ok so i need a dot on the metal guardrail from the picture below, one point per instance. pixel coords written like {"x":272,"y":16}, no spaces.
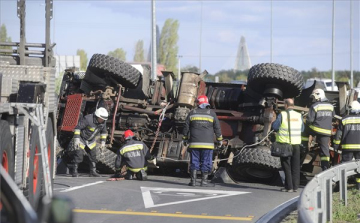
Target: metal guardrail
{"x":280,"y":212}
{"x":315,"y":202}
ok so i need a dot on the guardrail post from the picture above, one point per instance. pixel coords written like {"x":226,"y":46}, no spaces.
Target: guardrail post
{"x":343,"y":186}
{"x":328,"y":199}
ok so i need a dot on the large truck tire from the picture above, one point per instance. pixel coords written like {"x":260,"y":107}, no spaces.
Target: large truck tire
{"x":106,"y":161}
{"x":6,"y":148}
{"x":103,"y":65}
{"x":289,"y":80}
{"x":35,"y":188}
{"x":255,"y":165}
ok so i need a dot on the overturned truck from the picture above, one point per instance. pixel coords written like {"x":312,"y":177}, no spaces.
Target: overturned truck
{"x":156,"y":111}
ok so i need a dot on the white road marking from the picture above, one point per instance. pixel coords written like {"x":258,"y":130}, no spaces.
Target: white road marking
{"x":82,"y":186}
{"x":209,"y":194}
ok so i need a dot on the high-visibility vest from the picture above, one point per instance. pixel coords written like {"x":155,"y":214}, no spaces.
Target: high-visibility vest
{"x":295,"y":127}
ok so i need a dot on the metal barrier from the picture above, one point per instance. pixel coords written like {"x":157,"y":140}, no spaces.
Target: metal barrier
{"x":315,"y":202}
{"x":280,"y":212}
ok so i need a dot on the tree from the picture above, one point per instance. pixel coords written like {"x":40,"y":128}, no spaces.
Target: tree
{"x":83,"y":58}
{"x":118,"y":53}
{"x":139,"y":51}
{"x":4,"y":37}
{"x":168,"y":48}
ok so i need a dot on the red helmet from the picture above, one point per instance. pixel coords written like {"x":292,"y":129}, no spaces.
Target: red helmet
{"x":128,"y":134}
{"x":202,"y":99}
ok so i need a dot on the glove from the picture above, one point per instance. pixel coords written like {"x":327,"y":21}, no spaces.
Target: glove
{"x":77,"y":143}
{"x":185,"y":142}
{"x":152,"y":160}
{"x":218,"y":143}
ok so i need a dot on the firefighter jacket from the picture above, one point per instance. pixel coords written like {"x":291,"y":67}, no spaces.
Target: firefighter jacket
{"x":296,"y":126}
{"x":87,"y":130}
{"x":134,"y":154}
{"x":201,"y":124}
{"x":319,"y":118}
{"x":348,"y":134}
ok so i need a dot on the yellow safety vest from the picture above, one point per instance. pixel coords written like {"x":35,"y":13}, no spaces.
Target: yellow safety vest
{"x":295,"y":127}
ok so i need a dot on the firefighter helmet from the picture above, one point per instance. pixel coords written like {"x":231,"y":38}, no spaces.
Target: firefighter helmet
{"x":202,"y":99}
{"x":128,"y":134}
{"x":355,"y":107}
{"x":102,"y":113}
{"x":318,"y":95}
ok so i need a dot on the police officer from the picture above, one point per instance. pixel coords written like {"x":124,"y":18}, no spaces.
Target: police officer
{"x":319,"y":119}
{"x":291,"y":165}
{"x":200,"y":124}
{"x":348,"y":136}
{"x":134,"y":154}
{"x":84,"y":140}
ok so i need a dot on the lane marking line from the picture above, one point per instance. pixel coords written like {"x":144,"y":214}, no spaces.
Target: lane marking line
{"x":164,"y":215}
{"x":210,"y":194}
{"x":82,"y":186}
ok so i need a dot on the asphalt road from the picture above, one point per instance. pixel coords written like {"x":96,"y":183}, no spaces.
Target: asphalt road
{"x":165,"y":199}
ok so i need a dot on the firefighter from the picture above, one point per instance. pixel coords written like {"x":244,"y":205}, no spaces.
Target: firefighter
{"x":134,"y":154}
{"x":84,"y":141}
{"x":319,"y":120}
{"x":200,"y":124}
{"x":348,"y":137}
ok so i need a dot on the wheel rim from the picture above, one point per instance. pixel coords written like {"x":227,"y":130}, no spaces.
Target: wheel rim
{"x":5,"y":161}
{"x":36,"y":170}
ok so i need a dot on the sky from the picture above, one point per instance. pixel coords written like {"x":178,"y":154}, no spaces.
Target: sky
{"x":301,"y":30}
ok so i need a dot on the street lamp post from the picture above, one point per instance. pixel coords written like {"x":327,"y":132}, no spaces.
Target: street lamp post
{"x":179,"y":73}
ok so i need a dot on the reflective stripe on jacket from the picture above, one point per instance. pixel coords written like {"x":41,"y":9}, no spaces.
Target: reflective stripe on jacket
{"x":201,"y":124}
{"x":319,"y":118}
{"x":348,"y":134}
{"x":295,"y":128}
{"x":88,"y":128}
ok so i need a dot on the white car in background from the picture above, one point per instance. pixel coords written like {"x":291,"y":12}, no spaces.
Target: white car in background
{"x":327,"y":83}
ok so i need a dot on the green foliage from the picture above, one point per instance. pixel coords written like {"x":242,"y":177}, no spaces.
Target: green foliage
{"x":189,"y":68}
{"x":139,"y":51}
{"x":168,"y":48}
{"x":347,"y":213}
{"x":230,"y":75}
{"x":4,"y":37}
{"x":58,"y":83}
{"x":83,"y":58}
{"x":118,"y":53}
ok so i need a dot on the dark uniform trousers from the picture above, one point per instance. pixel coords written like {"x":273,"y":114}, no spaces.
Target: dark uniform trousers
{"x":291,"y":167}
{"x":323,"y":142}
{"x":201,"y":159}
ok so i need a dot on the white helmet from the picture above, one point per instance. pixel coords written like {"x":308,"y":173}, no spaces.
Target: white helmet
{"x":102,"y":113}
{"x":318,"y":95}
{"x":355,"y":107}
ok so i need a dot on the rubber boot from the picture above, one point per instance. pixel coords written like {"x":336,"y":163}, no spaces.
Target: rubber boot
{"x":204,"y":176}
{"x":74,"y":171}
{"x":93,"y":172}
{"x":141,"y":175}
{"x":129,"y":175}
{"x":192,"y":178}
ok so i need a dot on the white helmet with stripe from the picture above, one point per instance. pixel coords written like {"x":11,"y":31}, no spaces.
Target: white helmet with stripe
{"x":355,"y":107}
{"x":318,"y":95}
{"x":102,"y":113}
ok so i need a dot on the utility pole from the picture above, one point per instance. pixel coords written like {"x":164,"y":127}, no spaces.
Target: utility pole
{"x":153,"y":45}
{"x":201,"y":15}
{"x":179,"y":73}
{"x":351,"y":47}
{"x":271,"y":29}
{"x":333,"y":48}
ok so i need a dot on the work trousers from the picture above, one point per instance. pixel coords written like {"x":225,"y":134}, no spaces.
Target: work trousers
{"x":77,"y":155}
{"x":291,"y":167}
{"x":323,"y":142}
{"x":201,"y":159}
{"x":348,"y":156}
